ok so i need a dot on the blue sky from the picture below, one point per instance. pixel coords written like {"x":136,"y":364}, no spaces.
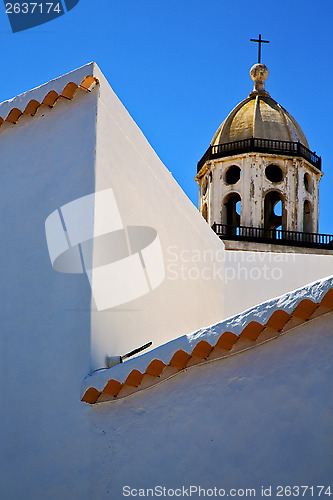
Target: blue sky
{"x":179,"y":67}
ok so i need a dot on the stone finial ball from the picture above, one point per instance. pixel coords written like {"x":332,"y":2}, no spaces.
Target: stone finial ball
{"x":259,"y":72}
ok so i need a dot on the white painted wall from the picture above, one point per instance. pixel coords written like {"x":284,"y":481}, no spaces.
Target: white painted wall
{"x":211,"y":422}
{"x":262,"y":417}
{"x":147,"y":195}
{"x":46,"y":161}
{"x":254,"y":277}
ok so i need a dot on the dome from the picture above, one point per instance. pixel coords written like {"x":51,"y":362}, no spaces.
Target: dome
{"x":259,"y":116}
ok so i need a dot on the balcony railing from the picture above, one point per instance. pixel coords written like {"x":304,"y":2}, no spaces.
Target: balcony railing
{"x":254,"y":145}
{"x":274,"y":236}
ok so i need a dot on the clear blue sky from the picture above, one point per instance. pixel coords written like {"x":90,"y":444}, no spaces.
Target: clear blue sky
{"x":179,"y":67}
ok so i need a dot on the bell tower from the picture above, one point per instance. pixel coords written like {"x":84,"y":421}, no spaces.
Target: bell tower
{"x":258,"y":180}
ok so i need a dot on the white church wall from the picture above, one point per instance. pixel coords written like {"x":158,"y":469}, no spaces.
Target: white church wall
{"x":46,"y":161}
{"x":197,"y":426}
{"x":262,"y":417}
{"x":147,"y":195}
{"x":254,"y":277}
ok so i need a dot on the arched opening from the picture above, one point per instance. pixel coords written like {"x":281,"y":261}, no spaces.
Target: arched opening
{"x":205,"y":212}
{"x":274,"y":211}
{"x":232,"y":175}
{"x":274,"y":173}
{"x":307,"y":217}
{"x":204,"y":186}
{"x":308,"y":184}
{"x":231,"y":214}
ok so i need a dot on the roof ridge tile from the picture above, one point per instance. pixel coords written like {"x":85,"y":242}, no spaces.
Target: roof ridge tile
{"x":68,"y":92}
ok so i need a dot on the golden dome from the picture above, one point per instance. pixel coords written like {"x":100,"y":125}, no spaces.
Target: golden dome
{"x":259,"y":116}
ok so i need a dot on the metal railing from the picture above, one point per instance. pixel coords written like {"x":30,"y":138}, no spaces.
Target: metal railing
{"x":274,"y":236}
{"x":253,"y":145}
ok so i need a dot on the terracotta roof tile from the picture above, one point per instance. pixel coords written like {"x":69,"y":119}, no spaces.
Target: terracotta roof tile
{"x":31,"y":107}
{"x":305,"y":309}
{"x":180,"y":359}
{"x":112,"y":387}
{"x":155,"y":368}
{"x":252,"y":330}
{"x":69,"y":91}
{"x":91,"y":395}
{"x":278,"y":320}
{"x":50,"y":98}
{"x":13,"y":115}
{"x":327,"y":300}
{"x":134,"y":378}
{"x":202,"y":350}
{"x":226,"y":341}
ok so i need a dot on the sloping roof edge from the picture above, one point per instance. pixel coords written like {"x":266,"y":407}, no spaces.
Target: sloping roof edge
{"x":272,"y":318}
{"x":13,"y":115}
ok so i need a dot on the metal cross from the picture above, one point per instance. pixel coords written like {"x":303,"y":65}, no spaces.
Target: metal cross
{"x":260,"y":41}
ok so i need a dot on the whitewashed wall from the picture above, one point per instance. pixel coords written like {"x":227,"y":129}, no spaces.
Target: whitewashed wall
{"x":200,"y":425}
{"x":261,"y":417}
{"x":48,"y":334}
{"x":253,"y":277}
{"x":147,"y":195}
{"x":46,"y":161}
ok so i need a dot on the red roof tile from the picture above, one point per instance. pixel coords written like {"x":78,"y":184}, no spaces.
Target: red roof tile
{"x":50,"y":99}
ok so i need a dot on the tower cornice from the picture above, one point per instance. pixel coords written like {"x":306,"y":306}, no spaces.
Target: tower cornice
{"x":257,"y":145}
